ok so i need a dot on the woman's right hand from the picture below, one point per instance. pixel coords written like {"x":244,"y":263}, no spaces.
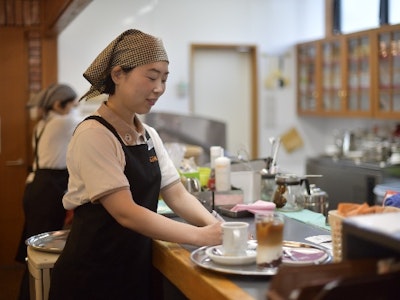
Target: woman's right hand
{"x":210,"y":235}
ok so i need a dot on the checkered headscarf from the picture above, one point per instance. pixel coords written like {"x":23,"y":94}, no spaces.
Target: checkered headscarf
{"x":130,"y":49}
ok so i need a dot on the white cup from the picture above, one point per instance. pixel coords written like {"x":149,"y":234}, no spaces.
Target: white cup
{"x":234,"y":238}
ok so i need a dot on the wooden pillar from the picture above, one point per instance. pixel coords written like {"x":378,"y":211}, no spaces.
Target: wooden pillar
{"x":332,"y":17}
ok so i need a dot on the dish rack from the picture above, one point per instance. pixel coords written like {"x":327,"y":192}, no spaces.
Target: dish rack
{"x":335,"y":221}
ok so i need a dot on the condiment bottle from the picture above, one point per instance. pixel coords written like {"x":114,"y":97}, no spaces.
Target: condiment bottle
{"x":215,"y":152}
{"x":222,"y":174}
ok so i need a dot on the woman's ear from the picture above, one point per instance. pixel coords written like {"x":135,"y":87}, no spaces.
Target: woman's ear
{"x":116,"y":73}
{"x":57,"y":107}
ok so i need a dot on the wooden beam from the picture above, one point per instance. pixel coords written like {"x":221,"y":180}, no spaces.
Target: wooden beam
{"x":59,"y":14}
{"x":328,"y":18}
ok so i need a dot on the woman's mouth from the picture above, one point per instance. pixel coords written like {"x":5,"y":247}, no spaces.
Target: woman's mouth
{"x":152,"y":102}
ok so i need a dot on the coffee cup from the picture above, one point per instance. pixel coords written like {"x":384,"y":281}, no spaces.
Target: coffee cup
{"x":234,"y":238}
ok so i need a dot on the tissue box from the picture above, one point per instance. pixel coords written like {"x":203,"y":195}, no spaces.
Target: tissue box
{"x":234,"y":196}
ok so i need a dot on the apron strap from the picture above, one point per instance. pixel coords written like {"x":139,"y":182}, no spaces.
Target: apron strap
{"x":36,"y":145}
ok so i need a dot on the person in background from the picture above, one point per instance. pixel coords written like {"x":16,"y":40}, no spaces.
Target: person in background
{"x":118,"y":167}
{"x":48,"y":181}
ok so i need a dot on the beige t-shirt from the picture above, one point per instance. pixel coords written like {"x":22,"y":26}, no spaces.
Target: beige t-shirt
{"x":52,"y":147}
{"x":96,"y":160}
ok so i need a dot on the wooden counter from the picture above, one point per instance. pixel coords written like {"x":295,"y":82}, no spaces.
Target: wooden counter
{"x":174,"y":263}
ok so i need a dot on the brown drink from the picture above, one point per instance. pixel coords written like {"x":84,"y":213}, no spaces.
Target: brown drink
{"x":269,"y":230}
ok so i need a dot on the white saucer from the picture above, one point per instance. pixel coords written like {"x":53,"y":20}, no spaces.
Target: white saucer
{"x":249,"y":258}
{"x":303,"y":256}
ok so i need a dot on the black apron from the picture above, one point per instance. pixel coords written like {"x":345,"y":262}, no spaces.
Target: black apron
{"x":42,"y":202}
{"x":102,"y":259}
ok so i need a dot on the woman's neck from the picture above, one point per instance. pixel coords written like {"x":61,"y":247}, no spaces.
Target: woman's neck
{"x":122,"y":113}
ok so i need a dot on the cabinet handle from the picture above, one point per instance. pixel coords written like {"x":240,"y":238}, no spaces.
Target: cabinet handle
{"x":18,"y":162}
{"x":342,"y":94}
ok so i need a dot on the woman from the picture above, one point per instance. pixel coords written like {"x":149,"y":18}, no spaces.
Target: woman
{"x":47,"y":183}
{"x":118,"y":167}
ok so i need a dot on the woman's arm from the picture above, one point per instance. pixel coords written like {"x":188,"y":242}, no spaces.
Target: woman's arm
{"x":186,"y":205}
{"x":137,"y":218}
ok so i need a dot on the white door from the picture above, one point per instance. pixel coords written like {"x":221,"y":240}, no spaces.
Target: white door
{"x":224,"y":89}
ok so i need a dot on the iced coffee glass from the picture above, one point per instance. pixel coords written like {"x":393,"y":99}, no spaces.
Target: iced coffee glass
{"x":269,"y":231}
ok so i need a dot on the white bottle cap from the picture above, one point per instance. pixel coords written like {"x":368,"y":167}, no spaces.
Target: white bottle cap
{"x":215,"y":151}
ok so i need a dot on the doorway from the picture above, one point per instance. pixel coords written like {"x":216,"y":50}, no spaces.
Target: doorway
{"x":224,"y":87}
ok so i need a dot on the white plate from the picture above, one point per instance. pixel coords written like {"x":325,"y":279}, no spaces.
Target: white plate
{"x":230,"y":260}
{"x":303,"y":256}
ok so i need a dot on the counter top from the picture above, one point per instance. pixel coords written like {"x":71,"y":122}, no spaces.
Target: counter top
{"x":350,"y":162}
{"x":174,"y":262}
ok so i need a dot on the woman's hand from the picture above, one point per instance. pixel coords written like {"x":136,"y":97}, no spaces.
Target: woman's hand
{"x":210,"y":235}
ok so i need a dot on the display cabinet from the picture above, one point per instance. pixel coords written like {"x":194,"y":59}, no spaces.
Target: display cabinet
{"x":353,"y":75}
{"x":332,"y":75}
{"x":308,"y":77}
{"x":388,"y":71}
{"x":358,"y":76}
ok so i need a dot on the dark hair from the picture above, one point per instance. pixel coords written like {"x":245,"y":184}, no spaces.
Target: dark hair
{"x":65,"y":102}
{"x":109,"y":85}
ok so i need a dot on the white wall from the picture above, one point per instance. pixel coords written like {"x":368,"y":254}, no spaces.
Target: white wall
{"x":275,"y":26}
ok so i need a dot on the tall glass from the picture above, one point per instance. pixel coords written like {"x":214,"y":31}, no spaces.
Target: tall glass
{"x":269,"y":231}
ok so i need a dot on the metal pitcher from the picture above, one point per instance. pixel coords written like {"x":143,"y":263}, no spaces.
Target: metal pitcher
{"x":317,"y":200}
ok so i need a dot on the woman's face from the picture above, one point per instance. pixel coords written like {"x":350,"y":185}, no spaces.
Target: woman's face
{"x":139,"y":89}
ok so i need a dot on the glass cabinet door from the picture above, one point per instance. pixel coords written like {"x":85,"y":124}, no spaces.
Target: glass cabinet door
{"x":359,"y":78}
{"x":331,"y":76}
{"x":307,"y":95}
{"x":389,"y":71}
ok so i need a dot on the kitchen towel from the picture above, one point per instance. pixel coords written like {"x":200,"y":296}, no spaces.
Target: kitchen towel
{"x":309,"y":217}
{"x":256,"y":207}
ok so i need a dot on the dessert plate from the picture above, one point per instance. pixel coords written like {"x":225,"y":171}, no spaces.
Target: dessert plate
{"x":303,"y":256}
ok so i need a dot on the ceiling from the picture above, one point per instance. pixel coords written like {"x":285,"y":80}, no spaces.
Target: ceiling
{"x":51,"y":15}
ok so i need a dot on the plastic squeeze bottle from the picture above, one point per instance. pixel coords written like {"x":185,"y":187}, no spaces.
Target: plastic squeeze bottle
{"x":222,"y":174}
{"x":215,"y":152}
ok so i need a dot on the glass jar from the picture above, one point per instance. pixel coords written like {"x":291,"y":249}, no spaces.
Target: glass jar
{"x":267,"y":187}
{"x":289,"y":193}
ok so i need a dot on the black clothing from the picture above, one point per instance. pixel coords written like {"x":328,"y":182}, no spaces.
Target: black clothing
{"x":102,"y":259}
